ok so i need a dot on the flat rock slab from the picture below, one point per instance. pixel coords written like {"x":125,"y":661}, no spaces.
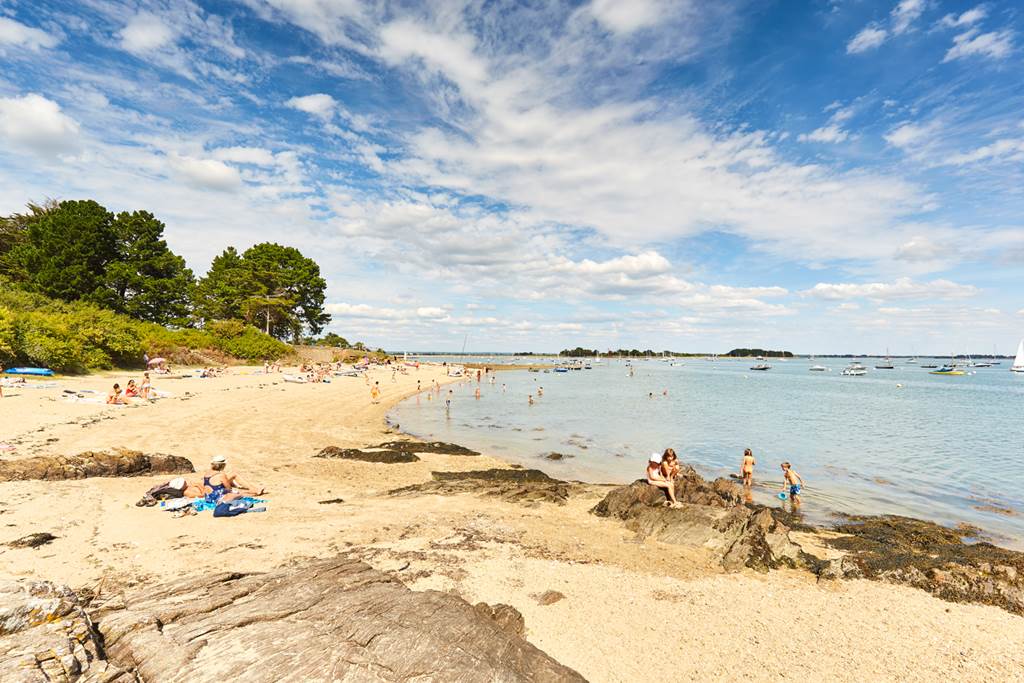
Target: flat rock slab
{"x":711,"y":516}
{"x":438,"y":447}
{"x":115,"y":463}
{"x":516,"y":485}
{"x":46,"y":635}
{"x":331,"y":620}
{"x":389,"y":457}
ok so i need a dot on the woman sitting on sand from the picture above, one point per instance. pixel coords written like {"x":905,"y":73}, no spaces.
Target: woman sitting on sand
{"x":115,"y":397}
{"x":131,"y":391}
{"x":222,"y":485}
{"x":662,"y":471}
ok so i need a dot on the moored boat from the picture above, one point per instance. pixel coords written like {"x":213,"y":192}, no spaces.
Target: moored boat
{"x":1018,"y":362}
{"x":855,"y":369}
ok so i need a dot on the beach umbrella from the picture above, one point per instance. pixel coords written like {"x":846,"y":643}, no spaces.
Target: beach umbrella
{"x":156,"y":361}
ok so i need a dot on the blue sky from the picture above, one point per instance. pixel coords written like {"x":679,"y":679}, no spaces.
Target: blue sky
{"x":825,"y":176}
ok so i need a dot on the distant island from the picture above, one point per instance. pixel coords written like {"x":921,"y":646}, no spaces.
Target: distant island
{"x":580,"y":352}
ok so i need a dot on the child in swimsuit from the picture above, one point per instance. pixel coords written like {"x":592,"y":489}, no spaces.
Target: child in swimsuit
{"x":794,"y":481}
{"x":747,"y":468}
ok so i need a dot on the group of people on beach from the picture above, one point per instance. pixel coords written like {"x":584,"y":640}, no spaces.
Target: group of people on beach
{"x":119,"y":396}
{"x":664,"y":469}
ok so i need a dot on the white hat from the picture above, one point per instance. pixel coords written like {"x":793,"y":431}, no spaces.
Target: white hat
{"x":655,"y":457}
{"x":177,"y":483}
{"x":217,"y":459}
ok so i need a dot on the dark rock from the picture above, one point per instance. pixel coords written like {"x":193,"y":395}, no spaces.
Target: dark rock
{"x":711,"y":516}
{"x":389,"y":457}
{"x":116,"y":463}
{"x":46,"y":635}
{"x":335,"y":619}
{"x":438,"y":447}
{"x":331,"y":501}
{"x":32,"y":540}
{"x":507,"y":617}
{"x":557,"y":456}
{"x":549,"y":598}
{"x":933,"y":558}
{"x":516,"y":485}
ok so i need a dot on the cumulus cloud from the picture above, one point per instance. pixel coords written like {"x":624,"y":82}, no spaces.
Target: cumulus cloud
{"x":909,"y":134}
{"x":16,"y":34}
{"x":318,"y":104}
{"x":973,"y":43}
{"x":146,"y":32}
{"x":206,"y":174}
{"x":36,"y":123}
{"x":626,"y":17}
{"x":902,"y":288}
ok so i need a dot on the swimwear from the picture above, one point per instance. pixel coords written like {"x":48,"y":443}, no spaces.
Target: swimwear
{"x":794,"y":490}
{"x":216,"y":491}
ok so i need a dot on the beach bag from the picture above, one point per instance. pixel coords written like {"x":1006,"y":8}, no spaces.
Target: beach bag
{"x":235,"y":507}
{"x":175,"y":488}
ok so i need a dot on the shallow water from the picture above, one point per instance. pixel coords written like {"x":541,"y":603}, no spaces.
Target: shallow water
{"x":938,"y":448}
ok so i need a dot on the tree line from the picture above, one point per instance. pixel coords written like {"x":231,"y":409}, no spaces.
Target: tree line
{"x":78,"y":251}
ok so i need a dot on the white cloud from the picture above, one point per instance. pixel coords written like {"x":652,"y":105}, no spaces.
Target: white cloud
{"x":38,"y":124}
{"x":905,"y":14}
{"x":971,"y":43}
{"x":206,"y":174}
{"x":902,"y":288}
{"x":908,"y":134}
{"x":923,"y":249}
{"x":431,"y":312}
{"x":318,"y":104}
{"x":830,"y":133}
{"x":626,"y":17}
{"x":146,"y":32}
{"x":869,"y":38}
{"x":245,"y":155}
{"x":1005,"y":150}
{"x":19,"y":35}
{"x":969,"y":17}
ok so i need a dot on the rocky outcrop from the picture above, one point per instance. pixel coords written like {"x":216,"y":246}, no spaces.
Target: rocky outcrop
{"x":515,"y":485}
{"x":438,"y":447}
{"x":115,"y":463}
{"x":331,"y":620}
{"x":931,"y":557}
{"x":45,"y":635}
{"x":711,"y":516}
{"x":378,"y":455}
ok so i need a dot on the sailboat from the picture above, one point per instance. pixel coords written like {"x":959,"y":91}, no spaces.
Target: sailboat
{"x":1018,"y":362}
{"x":885,"y":364}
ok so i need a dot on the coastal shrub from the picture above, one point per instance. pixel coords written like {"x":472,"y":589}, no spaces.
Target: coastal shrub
{"x":78,"y":337}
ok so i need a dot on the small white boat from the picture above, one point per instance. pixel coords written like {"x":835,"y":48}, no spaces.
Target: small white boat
{"x":855,"y":369}
{"x":1018,"y":362}
{"x":761,"y":366}
{"x":818,"y":368}
{"x":886,"y":363}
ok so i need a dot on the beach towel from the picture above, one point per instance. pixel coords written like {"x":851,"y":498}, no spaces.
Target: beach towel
{"x":202,"y":505}
{"x":237,"y":507}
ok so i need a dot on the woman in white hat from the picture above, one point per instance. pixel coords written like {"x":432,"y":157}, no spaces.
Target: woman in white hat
{"x":220,"y":483}
{"x":657,"y":476}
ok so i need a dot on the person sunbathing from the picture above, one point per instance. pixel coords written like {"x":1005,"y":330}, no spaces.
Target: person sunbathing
{"x":221,"y":484}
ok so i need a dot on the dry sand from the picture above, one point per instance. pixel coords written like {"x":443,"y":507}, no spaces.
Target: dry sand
{"x":632,"y":610}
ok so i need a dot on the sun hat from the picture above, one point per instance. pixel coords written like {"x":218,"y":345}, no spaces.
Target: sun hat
{"x":655,"y":457}
{"x":217,"y":459}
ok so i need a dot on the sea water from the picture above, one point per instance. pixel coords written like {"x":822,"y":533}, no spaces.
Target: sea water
{"x":902,"y":441}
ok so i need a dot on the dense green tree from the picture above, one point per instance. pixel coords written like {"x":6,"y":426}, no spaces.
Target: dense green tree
{"x":271,"y":286}
{"x":65,"y":252}
{"x":149,"y":281}
{"x":332,"y":339}
{"x":220,"y":294}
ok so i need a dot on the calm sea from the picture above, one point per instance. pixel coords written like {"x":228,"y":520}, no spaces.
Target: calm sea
{"x":950,"y":449}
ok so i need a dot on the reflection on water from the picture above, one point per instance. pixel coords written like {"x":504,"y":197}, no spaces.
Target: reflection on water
{"x":943,"y":448}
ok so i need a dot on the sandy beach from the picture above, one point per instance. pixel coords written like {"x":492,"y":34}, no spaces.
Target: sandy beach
{"x":624,"y":600}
